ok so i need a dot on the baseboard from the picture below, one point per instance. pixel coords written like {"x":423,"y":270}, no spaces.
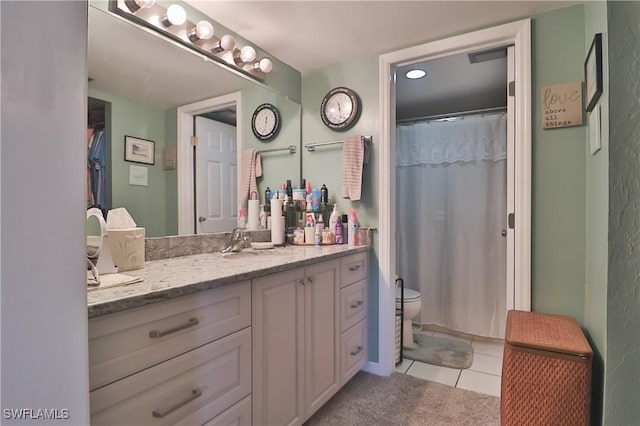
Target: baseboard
{"x":373,"y":368}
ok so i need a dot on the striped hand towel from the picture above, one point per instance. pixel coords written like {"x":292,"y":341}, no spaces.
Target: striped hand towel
{"x":352,"y":160}
{"x":251,"y":169}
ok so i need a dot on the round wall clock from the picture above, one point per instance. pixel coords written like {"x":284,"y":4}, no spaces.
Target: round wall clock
{"x":265,"y":122}
{"x":340,"y":108}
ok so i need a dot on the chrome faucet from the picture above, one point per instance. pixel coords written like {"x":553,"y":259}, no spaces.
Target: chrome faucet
{"x":237,"y":241}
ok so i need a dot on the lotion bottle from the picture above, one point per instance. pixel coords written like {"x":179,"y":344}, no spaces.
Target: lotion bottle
{"x":333,"y":219}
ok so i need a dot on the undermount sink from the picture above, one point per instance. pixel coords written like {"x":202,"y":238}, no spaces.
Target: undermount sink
{"x":248,"y":253}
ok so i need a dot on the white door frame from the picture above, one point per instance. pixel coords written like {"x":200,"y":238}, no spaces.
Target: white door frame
{"x":185,"y":152}
{"x":516,"y":33}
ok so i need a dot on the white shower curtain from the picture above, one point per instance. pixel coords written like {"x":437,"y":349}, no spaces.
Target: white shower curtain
{"x":451,"y":210}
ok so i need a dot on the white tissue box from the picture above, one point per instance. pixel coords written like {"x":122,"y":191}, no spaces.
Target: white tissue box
{"x":127,"y":248}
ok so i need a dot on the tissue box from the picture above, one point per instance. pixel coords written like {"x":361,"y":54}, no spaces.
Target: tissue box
{"x":127,"y":248}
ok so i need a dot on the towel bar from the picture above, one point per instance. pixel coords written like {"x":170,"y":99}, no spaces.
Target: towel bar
{"x":290,"y":148}
{"x":312,"y":146}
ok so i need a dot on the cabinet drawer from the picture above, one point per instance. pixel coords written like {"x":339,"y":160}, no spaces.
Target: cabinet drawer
{"x":197,"y":385}
{"x":353,"y":268}
{"x":353,"y":304}
{"x":124,"y":343}
{"x":238,"y":415}
{"x":353,"y":351}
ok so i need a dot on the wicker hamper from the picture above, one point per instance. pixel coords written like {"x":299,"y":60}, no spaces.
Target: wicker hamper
{"x":546,"y":371}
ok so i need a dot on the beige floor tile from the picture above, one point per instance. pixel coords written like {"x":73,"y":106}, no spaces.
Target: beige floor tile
{"x":488,"y":348}
{"x":487,"y":364}
{"x":435,"y":373}
{"x":479,"y":382}
{"x":404,"y":365}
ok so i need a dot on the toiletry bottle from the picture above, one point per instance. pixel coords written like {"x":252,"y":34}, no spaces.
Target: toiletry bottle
{"x":333,"y":219}
{"x":353,"y":227}
{"x":289,"y":191}
{"x":339,"y":231}
{"x":315,"y":199}
{"x":324,"y":197}
{"x":320,"y":222}
{"x":318,"y":235}
{"x":345,"y":228}
{"x":263,"y":218}
{"x":267,"y":200}
{"x":309,"y":206}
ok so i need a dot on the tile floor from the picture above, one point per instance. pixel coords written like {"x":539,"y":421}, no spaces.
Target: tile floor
{"x":483,"y":376}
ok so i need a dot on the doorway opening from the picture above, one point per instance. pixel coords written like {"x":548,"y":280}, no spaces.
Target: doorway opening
{"x":188,"y":217}
{"x":517,"y":34}
{"x":99,"y":155}
{"x":451,"y":188}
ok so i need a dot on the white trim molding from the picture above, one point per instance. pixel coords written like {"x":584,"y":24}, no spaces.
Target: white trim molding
{"x":185,"y":170}
{"x":517,"y":34}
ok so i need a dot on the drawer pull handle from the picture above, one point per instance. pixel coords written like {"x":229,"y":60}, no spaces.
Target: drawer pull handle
{"x":310,"y":280}
{"x":195,"y":393}
{"x":357,"y":351}
{"x":357,"y":304}
{"x":302,"y":282}
{"x":155,"y":334}
{"x":354,"y":268}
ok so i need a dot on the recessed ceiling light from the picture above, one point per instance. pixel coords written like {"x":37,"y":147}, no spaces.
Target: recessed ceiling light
{"x":414,"y":74}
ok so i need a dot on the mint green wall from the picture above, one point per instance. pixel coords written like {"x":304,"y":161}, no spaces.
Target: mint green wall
{"x":558,"y":171}
{"x":596,"y":229}
{"x":324,"y":165}
{"x":622,"y":406}
{"x":277,"y":166}
{"x":146,"y":204}
{"x":558,"y":193}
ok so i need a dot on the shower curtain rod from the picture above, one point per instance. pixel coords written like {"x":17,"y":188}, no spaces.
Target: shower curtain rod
{"x":459,"y":114}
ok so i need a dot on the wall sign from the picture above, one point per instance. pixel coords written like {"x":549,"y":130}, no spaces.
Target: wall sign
{"x":562,"y":105}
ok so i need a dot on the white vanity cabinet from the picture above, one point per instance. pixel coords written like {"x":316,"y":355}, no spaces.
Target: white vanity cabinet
{"x":182,"y":361}
{"x":296,"y":359}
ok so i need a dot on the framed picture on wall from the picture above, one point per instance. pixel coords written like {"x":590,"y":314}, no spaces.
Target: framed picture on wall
{"x":139,"y":150}
{"x":593,"y":73}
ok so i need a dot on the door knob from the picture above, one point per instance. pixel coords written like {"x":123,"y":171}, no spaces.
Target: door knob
{"x":201,"y":219}
{"x":504,"y":232}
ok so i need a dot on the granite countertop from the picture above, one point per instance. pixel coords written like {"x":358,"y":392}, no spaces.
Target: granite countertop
{"x":168,"y":278}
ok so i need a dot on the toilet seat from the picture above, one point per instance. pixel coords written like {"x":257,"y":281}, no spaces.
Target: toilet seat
{"x":409,"y":295}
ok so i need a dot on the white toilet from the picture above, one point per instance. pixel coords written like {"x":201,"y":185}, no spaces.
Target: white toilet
{"x":412,"y":306}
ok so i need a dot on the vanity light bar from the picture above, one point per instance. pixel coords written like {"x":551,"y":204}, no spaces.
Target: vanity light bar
{"x":199,"y":37}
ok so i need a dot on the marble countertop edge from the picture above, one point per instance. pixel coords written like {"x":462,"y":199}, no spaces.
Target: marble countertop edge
{"x":180,"y":276}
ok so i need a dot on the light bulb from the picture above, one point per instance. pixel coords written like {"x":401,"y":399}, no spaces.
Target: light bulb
{"x":247,"y":54}
{"x":135,"y":5}
{"x":175,"y":15}
{"x":202,"y":31}
{"x":415,"y":74}
{"x":227,"y":43}
{"x":265,"y":65}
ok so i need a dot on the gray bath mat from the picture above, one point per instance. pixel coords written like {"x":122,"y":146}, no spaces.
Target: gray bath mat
{"x":447,"y":352}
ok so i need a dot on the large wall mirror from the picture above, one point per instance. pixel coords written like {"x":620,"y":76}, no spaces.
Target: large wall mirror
{"x":137,"y":82}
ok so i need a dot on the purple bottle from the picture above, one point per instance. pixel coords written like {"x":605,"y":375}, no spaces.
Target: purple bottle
{"x":339,"y":231}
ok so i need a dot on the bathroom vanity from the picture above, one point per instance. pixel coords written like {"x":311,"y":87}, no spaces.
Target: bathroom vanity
{"x":256,"y":337}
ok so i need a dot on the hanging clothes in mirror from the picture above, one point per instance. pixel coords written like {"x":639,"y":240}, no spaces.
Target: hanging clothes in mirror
{"x":96,"y":166}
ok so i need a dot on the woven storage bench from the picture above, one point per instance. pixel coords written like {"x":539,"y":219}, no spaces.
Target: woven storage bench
{"x":546,"y":371}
